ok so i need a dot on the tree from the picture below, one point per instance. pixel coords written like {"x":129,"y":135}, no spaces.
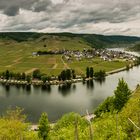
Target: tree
{"x":122,"y":94}
{"x":18,"y":76}
{"x":63,"y":75}
{"x":28,"y":78}
{"x":87,"y":72}
{"x":73,"y":74}
{"x":44,"y":127}
{"x":106,"y":106}
{"x":7,"y":75}
{"x":68,"y":74}
{"x":37,"y":74}
{"x":59,"y":77}
{"x":100,"y":75}
{"x":44,"y":78}
{"x":23,"y":76}
{"x":91,"y":72}
{"x":13,"y":126}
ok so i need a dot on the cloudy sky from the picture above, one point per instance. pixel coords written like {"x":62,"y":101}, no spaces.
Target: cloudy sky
{"x":78,"y":16}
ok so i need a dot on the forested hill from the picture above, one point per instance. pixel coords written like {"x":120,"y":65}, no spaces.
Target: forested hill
{"x":136,"y":48}
{"x":93,"y":40}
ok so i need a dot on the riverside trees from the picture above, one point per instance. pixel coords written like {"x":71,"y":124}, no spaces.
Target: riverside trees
{"x":67,"y":74}
{"x":89,"y":72}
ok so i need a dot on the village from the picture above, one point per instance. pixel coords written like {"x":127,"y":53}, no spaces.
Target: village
{"x":104,"y":54}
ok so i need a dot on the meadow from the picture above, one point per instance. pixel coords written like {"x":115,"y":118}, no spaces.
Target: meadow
{"x":17,"y":57}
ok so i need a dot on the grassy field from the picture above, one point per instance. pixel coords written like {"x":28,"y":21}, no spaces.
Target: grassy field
{"x":18,"y":57}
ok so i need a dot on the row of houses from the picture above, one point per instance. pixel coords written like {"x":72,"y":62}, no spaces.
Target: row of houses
{"x":105,"y":54}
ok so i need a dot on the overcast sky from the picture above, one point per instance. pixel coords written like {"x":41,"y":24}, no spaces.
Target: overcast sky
{"x":78,"y":16}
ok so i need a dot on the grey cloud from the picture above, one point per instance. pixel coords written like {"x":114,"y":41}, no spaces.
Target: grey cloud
{"x":11,"y":11}
{"x":42,"y":5}
{"x":11,"y":7}
{"x":70,"y":14}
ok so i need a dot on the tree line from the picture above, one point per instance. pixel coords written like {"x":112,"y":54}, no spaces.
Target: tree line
{"x":98,"y":75}
{"x":8,"y":75}
{"x":67,"y":74}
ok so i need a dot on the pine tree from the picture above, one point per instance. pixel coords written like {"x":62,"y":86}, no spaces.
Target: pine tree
{"x":43,"y":127}
{"x":68,"y":74}
{"x":122,"y":94}
{"x":87,"y":72}
{"x":91,"y":72}
{"x":7,"y":74}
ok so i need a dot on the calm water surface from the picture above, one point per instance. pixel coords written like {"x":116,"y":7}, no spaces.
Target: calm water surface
{"x":58,"y":101}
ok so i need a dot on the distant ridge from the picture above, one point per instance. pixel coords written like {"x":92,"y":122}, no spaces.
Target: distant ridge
{"x":94,"y":40}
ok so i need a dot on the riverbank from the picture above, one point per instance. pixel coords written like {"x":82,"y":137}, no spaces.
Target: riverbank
{"x":88,"y":117}
{"x":57,"y":82}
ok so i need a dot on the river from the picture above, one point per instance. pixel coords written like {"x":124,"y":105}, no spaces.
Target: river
{"x":57,"y":101}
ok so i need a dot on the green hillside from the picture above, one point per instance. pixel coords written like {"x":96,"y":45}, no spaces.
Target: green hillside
{"x":105,"y":126}
{"x":16,"y":54}
{"x":135,"y":48}
{"x":109,"y":126}
{"x":92,"y":40}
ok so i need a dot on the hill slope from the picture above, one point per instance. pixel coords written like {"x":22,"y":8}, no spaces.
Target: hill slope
{"x":135,"y":48}
{"x":92,"y":40}
{"x":107,"y":127}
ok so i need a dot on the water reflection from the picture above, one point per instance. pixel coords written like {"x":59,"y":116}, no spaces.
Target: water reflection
{"x":74,"y":87}
{"x":62,"y":99}
{"x":17,"y":86}
{"x":90,"y":84}
{"x":65,"y":89}
{"x":7,"y":89}
{"x":28,"y":87}
{"x":46,"y":88}
{"x":101,"y":81}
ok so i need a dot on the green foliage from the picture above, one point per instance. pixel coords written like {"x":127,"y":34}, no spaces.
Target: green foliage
{"x":37,"y":74}
{"x":28,"y":78}
{"x":135,"y":47}
{"x":108,"y":125}
{"x":7,"y":74}
{"x":65,"y":128}
{"x":44,"y":78}
{"x":106,"y":106}
{"x":100,"y":75}
{"x":117,"y":102}
{"x":44,"y":127}
{"x":87,"y":72}
{"x":73,"y":74}
{"x":91,"y":71}
{"x":67,"y":74}
{"x":105,"y":128}
{"x":11,"y":75}
{"x":122,"y":94}
{"x":12,"y":125}
{"x":94,"y":40}
{"x":15,"y":114}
